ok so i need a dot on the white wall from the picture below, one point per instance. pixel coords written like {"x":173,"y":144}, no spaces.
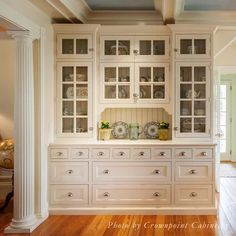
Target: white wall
{"x":227,"y":57}
{"x":7,"y":76}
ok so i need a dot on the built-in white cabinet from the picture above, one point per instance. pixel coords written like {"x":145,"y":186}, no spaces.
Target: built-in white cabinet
{"x":74,"y":98}
{"x":193,"y":99}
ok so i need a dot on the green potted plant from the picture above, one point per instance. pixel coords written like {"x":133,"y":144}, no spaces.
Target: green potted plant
{"x":104,"y":131}
{"x":163,"y":130}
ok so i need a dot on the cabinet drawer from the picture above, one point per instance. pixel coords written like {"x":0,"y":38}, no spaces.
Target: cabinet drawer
{"x":131,"y":171}
{"x":183,"y":153}
{"x":160,"y":153}
{"x":203,"y":153}
{"x":70,"y":172}
{"x":69,"y":195}
{"x":101,"y":153}
{"x":193,"y":171}
{"x":79,"y":153}
{"x":193,"y":194}
{"x":119,"y":153}
{"x":59,"y":153}
{"x":131,"y":194}
{"x":141,"y":153}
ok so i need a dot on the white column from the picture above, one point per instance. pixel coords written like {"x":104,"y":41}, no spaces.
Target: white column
{"x":24,"y":219}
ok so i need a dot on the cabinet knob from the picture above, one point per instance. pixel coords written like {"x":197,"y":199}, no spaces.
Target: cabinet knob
{"x":156,"y":194}
{"x":176,"y":128}
{"x":122,"y":153}
{"x":135,"y":51}
{"x":100,"y":154}
{"x":59,"y":153}
{"x":157,"y":172}
{"x":70,"y":194}
{"x":193,"y":172}
{"x":106,"y":194}
{"x":141,"y":154}
{"x":193,"y":194}
{"x":90,"y":49}
{"x":106,"y":171}
{"x":204,"y":154}
{"x":70,"y":172}
{"x":80,"y":153}
{"x":176,"y":50}
{"x":135,"y":95}
{"x":162,"y":154}
{"x":183,"y":154}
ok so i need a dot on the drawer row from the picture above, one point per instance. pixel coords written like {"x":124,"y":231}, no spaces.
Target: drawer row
{"x":134,"y":153}
{"x":78,"y":172}
{"x":78,"y":195}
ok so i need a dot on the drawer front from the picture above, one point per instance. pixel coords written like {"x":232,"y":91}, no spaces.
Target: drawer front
{"x":119,"y":153}
{"x":69,"y":172}
{"x":193,"y":194}
{"x":131,"y":194}
{"x":183,"y":153}
{"x":193,"y":171}
{"x":141,"y":154}
{"x":101,"y":153}
{"x":69,"y":195}
{"x":59,"y":153}
{"x":79,"y":153}
{"x":131,"y":171}
{"x":160,"y":153}
{"x":203,"y":153}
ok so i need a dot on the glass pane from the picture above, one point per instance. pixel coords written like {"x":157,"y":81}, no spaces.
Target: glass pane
{"x":145,"y":74}
{"x":199,"y":91}
{"x":200,"y":73}
{"x":67,"y":46}
{"x":81,"y":108}
{"x":81,"y":73}
{"x":145,"y":47}
{"x":67,"y":73}
{"x":124,"y":74}
{"x":223,"y":118}
{"x":199,"y":125}
{"x":159,"y":91}
{"x":81,"y":91}
{"x":185,"y":108}
{"x":200,"y":46}
{"x":185,"y":46}
{"x":185,"y":74}
{"x":199,"y":108}
{"x":110,"y":74}
{"x":223,"y":145}
{"x":159,"y":47}
{"x":159,"y":74}
{"x":145,"y":91}
{"x":110,"y":91}
{"x":185,"y":125}
{"x":81,"y":46}
{"x":68,"y":91}
{"x":67,"y":125}
{"x":123,"y":91}
{"x":81,"y":125}
{"x":223,"y":130}
{"x":222,"y":104}
{"x":222,"y":91}
{"x":186,"y":91}
{"x":67,"y":108}
{"x":110,"y":47}
{"x":124,"y":47}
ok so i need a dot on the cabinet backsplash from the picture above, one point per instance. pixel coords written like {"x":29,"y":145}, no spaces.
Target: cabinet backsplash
{"x":137,"y":115}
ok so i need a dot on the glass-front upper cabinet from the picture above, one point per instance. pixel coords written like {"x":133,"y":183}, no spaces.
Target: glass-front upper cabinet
{"x":117,"y":82}
{"x":193,"y":100}
{"x":193,"y":46}
{"x":74,"y":103}
{"x":153,"y":82}
{"x":74,"y":46}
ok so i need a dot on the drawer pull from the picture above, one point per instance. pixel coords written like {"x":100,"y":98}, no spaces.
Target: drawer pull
{"x":183,"y":154}
{"x":156,"y":194}
{"x":193,"y":172}
{"x":162,"y":154}
{"x":193,"y":194}
{"x":141,"y":153}
{"x":106,"y":171}
{"x":70,"y":194}
{"x":204,"y":154}
{"x":59,"y":153}
{"x":157,"y":172}
{"x":106,"y":194}
{"x":100,"y":153}
{"x":122,"y":154}
{"x":70,"y":172}
{"x":80,"y":153}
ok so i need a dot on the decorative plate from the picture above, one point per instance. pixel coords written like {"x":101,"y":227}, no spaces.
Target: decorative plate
{"x":81,"y":92}
{"x":70,"y":92}
{"x":151,"y":130}
{"x":120,"y":129}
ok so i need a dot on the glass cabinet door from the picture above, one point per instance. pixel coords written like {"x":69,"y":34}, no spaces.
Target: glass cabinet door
{"x":74,"y":46}
{"x":153,"y":82}
{"x":116,"y":81}
{"x":193,"y":104}
{"x":194,"y":46}
{"x":74,"y":103}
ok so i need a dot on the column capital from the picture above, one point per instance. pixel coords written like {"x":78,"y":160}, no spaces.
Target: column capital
{"x":21,"y":35}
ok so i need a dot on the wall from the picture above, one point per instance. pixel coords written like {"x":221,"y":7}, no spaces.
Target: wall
{"x":7,"y":76}
{"x":227,"y":57}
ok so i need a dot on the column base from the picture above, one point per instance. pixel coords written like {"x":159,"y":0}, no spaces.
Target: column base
{"x":26,"y":229}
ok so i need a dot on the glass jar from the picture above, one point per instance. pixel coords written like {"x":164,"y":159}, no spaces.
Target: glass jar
{"x":134,"y":131}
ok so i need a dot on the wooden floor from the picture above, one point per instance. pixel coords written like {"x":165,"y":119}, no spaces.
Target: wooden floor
{"x":222,"y":225}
